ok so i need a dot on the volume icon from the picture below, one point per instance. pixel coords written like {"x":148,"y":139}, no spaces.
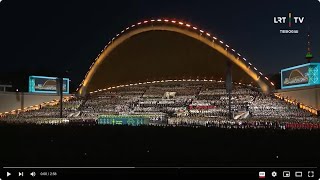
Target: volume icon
{"x":33,"y":174}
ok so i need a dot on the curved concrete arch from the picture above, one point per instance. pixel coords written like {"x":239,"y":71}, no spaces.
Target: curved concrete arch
{"x":181,"y":28}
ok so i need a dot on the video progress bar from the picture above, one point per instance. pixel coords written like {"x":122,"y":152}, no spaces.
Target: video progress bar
{"x":164,"y":167}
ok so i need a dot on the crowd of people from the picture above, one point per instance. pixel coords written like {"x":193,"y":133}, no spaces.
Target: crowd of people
{"x":202,"y":103}
{"x":245,"y":124}
{"x":268,"y":106}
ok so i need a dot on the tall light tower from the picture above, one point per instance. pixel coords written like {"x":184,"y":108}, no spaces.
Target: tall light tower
{"x":309,"y":55}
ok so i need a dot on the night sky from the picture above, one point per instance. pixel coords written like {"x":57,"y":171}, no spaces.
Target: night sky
{"x":38,"y":36}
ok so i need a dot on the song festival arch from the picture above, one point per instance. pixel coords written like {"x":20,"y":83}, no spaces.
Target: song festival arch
{"x":182,"y":28}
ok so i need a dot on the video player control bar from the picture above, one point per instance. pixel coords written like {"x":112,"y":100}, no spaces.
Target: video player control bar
{"x":218,"y":172}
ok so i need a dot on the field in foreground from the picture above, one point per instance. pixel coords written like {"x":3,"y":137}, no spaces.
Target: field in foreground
{"x":30,"y":145}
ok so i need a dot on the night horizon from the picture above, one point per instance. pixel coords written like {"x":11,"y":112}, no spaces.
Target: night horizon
{"x":70,"y":35}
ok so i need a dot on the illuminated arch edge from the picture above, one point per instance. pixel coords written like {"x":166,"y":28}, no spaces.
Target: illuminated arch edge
{"x":182,"y":28}
{"x":166,"y":81}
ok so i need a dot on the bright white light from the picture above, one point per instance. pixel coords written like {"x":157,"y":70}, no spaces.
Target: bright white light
{"x":173,"y":21}
{"x":195,"y":28}
{"x":159,"y":20}
{"x":201,"y":31}
{"x":188,"y":25}
{"x":166,"y":20}
{"x":145,"y":21}
{"x":208,"y":34}
{"x":181,"y":23}
{"x":221,"y":42}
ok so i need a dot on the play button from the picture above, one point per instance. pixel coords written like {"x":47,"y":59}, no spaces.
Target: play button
{"x":8,"y":174}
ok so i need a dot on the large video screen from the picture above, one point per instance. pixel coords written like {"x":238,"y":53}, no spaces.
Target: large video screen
{"x":299,"y":76}
{"x":42,"y":84}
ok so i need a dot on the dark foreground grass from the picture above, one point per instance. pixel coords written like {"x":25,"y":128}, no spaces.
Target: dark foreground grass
{"x":30,"y":145}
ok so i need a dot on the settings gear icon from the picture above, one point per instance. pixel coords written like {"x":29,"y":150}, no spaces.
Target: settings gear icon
{"x":274,"y":174}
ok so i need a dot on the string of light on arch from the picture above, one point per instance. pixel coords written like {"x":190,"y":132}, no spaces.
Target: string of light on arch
{"x":165,"y":81}
{"x":179,"y":24}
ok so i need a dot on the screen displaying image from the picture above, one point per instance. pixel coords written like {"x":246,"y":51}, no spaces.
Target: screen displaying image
{"x":295,"y":76}
{"x":47,"y":84}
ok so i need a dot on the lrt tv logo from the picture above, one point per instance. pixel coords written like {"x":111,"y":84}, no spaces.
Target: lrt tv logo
{"x":290,"y":20}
